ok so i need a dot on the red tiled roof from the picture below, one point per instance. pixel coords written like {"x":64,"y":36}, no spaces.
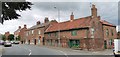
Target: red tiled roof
{"x":76,"y":23}
{"x":106,"y":23}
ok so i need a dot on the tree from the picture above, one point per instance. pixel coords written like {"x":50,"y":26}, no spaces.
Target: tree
{"x":11,"y":37}
{"x":3,"y":37}
{"x":18,"y":38}
{"x":9,"y":9}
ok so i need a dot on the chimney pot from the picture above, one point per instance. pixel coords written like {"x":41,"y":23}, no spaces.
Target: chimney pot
{"x":24,"y":25}
{"x":46,"y":20}
{"x":94,"y":11}
{"x":38,"y":22}
{"x":19,"y":27}
{"x":71,"y":17}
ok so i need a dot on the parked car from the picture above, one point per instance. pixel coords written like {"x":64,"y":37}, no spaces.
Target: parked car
{"x":116,"y":47}
{"x":7,"y":44}
{"x":1,"y":42}
{"x":16,"y":42}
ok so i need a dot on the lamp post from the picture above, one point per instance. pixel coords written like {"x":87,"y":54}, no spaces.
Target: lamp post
{"x":58,"y":26}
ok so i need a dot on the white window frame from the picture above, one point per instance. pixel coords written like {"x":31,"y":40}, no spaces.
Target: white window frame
{"x":32,"y":31}
{"x":92,"y":32}
{"x":39,"y":31}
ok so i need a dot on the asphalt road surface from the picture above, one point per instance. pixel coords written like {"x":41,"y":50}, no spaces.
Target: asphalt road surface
{"x":37,"y":51}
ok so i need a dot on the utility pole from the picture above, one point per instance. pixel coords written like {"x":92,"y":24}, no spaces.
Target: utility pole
{"x":58,"y":26}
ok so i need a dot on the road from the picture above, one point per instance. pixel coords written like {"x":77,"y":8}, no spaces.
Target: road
{"x":30,"y":50}
{"x":38,"y":51}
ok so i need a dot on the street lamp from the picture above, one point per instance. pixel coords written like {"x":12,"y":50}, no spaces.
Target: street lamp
{"x":58,"y":26}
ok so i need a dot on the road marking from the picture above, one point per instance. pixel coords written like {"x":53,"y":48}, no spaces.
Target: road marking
{"x":63,"y":53}
{"x":30,"y":52}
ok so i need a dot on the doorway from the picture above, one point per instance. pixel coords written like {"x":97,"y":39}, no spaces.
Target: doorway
{"x":74,"y":43}
{"x":105,"y":44}
{"x":35,"y":41}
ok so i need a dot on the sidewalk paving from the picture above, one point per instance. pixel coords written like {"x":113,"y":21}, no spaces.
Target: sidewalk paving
{"x":1,"y":50}
{"x":70,"y":51}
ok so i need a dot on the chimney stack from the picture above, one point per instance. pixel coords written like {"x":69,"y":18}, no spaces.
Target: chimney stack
{"x":46,"y":20}
{"x":38,"y":22}
{"x":25,"y":26}
{"x":99,"y":17}
{"x":94,"y":11}
{"x":19,"y":27}
{"x":71,"y":17}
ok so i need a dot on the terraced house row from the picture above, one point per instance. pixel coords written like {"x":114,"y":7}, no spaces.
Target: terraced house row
{"x":88,"y":33}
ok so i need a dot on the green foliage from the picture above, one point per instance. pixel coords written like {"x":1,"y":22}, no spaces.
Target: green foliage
{"x":18,"y":38}
{"x":75,"y":46}
{"x":9,"y":9}
{"x":11,"y":37}
{"x":3,"y":37}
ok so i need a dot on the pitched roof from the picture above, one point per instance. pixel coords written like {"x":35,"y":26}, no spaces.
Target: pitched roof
{"x":76,"y":23}
{"x":37,"y":26}
{"x":106,"y":23}
{"x":18,"y":30}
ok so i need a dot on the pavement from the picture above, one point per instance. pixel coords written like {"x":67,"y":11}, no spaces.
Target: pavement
{"x":1,"y":50}
{"x":30,"y":50}
{"x":70,"y":51}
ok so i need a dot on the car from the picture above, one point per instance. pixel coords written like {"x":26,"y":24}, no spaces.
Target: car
{"x":1,"y":42}
{"x":16,"y":42}
{"x":7,"y":44}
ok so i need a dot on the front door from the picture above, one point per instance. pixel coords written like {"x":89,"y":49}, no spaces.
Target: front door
{"x":74,"y":43}
{"x":105,"y":44}
{"x":35,"y":41}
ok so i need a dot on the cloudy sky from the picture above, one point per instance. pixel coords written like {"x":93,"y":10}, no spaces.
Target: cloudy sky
{"x":107,"y":10}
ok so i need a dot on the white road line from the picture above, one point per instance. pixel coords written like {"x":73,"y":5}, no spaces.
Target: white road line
{"x":63,"y":53}
{"x":30,"y":52}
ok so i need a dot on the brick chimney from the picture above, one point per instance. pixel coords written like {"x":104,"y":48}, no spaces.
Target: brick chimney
{"x":94,"y":11}
{"x":25,"y":26}
{"x":38,"y":23}
{"x":71,"y":17}
{"x":46,"y":20}
{"x":19,"y":27}
{"x":53,"y":21}
{"x":99,"y":17}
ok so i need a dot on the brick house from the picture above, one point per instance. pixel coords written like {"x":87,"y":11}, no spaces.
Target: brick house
{"x":22,"y":34}
{"x":7,"y":34}
{"x":118,"y":35}
{"x":17,"y":32}
{"x":35,"y":34}
{"x":87,"y":33}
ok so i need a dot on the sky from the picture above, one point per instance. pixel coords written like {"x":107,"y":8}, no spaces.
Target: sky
{"x":41,"y":9}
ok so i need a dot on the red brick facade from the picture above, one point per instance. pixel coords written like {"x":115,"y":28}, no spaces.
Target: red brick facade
{"x":90,"y":33}
{"x":22,"y":34}
{"x":7,"y":34}
{"x":35,"y":34}
{"x":17,"y":32}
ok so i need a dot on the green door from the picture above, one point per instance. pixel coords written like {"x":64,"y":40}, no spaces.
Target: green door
{"x":105,"y":44}
{"x":74,"y":43}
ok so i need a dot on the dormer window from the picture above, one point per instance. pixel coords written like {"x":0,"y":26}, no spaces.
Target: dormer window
{"x":107,"y":32}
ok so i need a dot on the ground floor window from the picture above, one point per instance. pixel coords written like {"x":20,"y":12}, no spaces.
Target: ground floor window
{"x":110,"y":42}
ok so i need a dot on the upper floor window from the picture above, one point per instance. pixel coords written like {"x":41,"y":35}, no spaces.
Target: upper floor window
{"x":56,"y":34}
{"x":27,"y":33}
{"x":49,"y":34}
{"x":39,"y":31}
{"x":112,"y":32}
{"x":74,"y":33}
{"x":92,"y":31}
{"x":107,"y":32}
{"x":32,"y":31}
